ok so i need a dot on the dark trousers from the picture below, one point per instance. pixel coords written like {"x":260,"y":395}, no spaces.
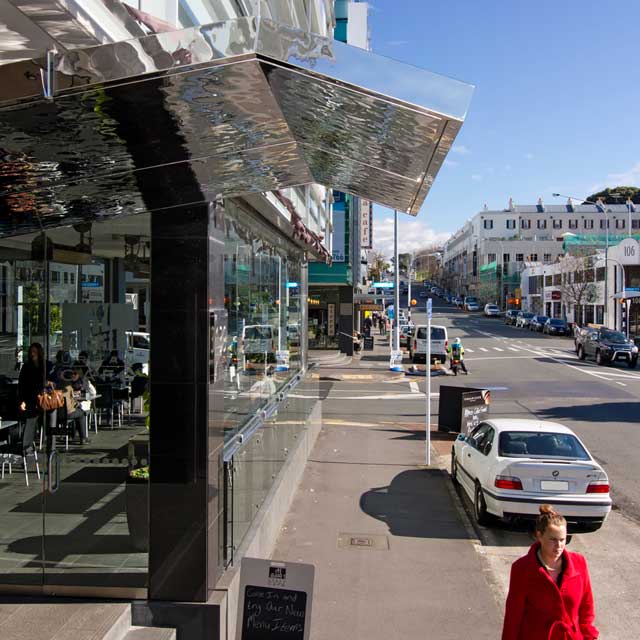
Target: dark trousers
{"x":79,"y":418}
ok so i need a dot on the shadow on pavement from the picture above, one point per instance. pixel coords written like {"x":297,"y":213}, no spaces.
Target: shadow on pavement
{"x":416,"y":504}
{"x":602,"y":412}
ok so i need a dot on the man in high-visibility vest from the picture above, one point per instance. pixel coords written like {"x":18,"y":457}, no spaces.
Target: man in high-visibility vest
{"x":456,"y":352}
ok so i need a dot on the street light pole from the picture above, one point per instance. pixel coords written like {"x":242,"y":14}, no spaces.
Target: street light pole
{"x":396,"y":297}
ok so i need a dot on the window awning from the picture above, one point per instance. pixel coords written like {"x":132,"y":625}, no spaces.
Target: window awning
{"x":185,"y":117}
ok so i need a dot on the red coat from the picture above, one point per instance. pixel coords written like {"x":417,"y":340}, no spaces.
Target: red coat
{"x":538,"y":610}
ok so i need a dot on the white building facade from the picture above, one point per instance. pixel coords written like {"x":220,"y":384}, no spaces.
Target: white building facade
{"x":522,"y":234}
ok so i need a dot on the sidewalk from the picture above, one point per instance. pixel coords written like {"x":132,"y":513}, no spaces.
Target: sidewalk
{"x":392,"y":554}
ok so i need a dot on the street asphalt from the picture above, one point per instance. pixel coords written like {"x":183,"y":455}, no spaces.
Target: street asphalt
{"x":374,"y":426}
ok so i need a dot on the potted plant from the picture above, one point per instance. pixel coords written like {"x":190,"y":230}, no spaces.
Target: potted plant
{"x":137,"y":498}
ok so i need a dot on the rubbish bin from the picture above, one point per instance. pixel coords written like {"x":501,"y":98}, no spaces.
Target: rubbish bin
{"x":462,"y":408}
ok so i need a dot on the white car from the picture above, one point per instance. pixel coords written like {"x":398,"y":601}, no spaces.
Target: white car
{"x":509,"y":467}
{"x":471,"y":304}
{"x":491,"y":310}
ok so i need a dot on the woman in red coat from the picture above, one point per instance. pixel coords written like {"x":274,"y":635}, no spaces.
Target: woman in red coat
{"x":549,"y":591}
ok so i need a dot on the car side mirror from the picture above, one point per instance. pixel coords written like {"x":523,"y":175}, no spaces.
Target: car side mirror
{"x":462,"y":437}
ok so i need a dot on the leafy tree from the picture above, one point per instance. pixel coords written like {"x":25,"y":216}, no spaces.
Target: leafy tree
{"x":617,"y":195}
{"x":379,"y":265}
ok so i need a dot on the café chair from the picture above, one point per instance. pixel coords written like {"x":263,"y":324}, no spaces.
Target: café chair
{"x":21,"y":448}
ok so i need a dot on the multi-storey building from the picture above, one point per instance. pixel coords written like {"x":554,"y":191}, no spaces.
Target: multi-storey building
{"x":485,"y":256}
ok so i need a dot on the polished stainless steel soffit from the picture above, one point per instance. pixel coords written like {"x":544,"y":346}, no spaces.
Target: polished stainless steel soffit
{"x":184,"y":117}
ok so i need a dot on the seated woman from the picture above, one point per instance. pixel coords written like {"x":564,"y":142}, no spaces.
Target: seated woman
{"x":76,"y":393}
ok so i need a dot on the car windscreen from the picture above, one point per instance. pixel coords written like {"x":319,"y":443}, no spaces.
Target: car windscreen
{"x":542,"y":319}
{"x":472,"y":301}
{"x":527,"y":315}
{"x":556,"y":322}
{"x":533,"y":444}
{"x":140,"y":342}
{"x":437,"y":333}
{"x":257,"y":333}
{"x":613,"y":336}
{"x":492,"y":307}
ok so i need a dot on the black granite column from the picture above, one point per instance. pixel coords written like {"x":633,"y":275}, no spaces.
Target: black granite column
{"x":186,"y":294}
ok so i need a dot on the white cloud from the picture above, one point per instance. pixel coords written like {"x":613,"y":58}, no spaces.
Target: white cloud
{"x":451,"y":163}
{"x":476,"y":177}
{"x":528,"y":156}
{"x":630,"y":178}
{"x":413,"y":234}
{"x":460,"y":149}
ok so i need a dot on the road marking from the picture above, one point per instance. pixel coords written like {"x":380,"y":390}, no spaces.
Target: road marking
{"x":497,"y":349}
{"x":469,"y":350}
{"x":513,"y":349}
{"x":483,"y":349}
{"x":413,"y":385}
{"x":622,"y":384}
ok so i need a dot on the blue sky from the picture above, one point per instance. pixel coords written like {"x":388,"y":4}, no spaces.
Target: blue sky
{"x":556,"y":105}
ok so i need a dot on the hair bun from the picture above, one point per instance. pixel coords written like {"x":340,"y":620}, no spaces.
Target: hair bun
{"x":547,"y":510}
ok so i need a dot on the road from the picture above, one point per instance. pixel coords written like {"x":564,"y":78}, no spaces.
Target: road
{"x":535,"y":376}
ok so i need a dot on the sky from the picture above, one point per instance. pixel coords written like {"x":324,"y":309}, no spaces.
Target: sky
{"x":556,"y":106}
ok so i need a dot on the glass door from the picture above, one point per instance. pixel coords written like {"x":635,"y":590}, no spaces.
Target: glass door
{"x":23,"y":336}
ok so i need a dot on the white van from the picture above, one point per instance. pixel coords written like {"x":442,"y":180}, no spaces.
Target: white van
{"x":138,"y":345}
{"x":258,"y":338}
{"x":439,"y":343}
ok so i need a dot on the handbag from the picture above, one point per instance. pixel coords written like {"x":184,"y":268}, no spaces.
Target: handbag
{"x":50,"y":399}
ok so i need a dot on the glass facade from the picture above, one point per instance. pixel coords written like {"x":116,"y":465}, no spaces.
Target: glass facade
{"x":262,"y":297}
{"x":324,"y":309}
{"x":74,"y":492}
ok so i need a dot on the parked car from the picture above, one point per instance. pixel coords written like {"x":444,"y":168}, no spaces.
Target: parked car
{"x":471,"y":304}
{"x":510,"y":316}
{"x":537,"y":323}
{"x":457,"y":301}
{"x":439,"y":344}
{"x":138,"y":346}
{"x":406,"y":332}
{"x":523,"y":319}
{"x":606,"y":346}
{"x":509,"y":467}
{"x":491,"y":310}
{"x":556,"y":327}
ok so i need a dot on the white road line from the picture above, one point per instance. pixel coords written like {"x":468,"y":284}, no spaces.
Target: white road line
{"x":469,"y":350}
{"x":513,"y":349}
{"x":413,"y":385}
{"x":483,"y":349}
{"x":622,"y":384}
{"x":497,"y":349}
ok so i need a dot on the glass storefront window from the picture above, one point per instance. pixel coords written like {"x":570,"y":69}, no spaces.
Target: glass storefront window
{"x":68,"y":321}
{"x":262,"y":296}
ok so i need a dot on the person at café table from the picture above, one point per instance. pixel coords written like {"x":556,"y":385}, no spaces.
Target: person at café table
{"x":88,"y":371}
{"x":112,"y":368}
{"x":76,"y":392}
{"x":32,"y":379}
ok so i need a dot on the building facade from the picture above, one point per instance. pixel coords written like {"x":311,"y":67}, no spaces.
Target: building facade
{"x":504,"y":241}
{"x":157,"y":165}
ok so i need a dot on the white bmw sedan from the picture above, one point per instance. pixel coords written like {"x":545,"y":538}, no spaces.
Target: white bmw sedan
{"x":508,"y":468}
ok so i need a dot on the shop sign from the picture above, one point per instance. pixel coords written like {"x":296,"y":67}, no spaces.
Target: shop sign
{"x":331,"y":319}
{"x":366,"y":224}
{"x":370,"y":307}
{"x":274,"y":600}
{"x":282,"y":360}
{"x":556,"y":295}
{"x":630,"y":251}
{"x":338,"y":232}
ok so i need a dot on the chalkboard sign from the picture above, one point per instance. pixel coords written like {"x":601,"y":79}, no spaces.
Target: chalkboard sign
{"x":278,"y":614}
{"x":275,"y":600}
{"x":475,"y":406}
{"x":368,"y":343}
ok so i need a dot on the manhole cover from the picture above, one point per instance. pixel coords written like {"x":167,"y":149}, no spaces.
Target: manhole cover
{"x":362,"y":541}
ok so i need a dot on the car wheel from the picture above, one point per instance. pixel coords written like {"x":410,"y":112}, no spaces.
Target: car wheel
{"x":599,"y":358}
{"x":454,"y":469}
{"x":581,"y":353}
{"x":480,"y":507}
{"x":633,"y":363}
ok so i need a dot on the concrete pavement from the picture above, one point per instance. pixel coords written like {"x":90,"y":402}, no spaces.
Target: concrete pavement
{"x":393,"y":556}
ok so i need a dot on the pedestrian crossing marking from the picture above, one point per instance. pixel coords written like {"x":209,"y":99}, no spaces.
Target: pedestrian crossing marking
{"x":483,"y":349}
{"x":513,"y":349}
{"x":497,"y":349}
{"x":469,"y":350}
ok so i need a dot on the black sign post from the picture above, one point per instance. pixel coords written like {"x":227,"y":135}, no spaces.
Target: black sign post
{"x":275,"y":600}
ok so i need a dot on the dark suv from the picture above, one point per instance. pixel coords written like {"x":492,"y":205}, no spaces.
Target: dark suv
{"x":510,"y":316}
{"x":606,"y":346}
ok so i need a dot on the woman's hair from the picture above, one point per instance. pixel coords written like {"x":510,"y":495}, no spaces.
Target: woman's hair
{"x":548,"y":515}
{"x":37,"y":347}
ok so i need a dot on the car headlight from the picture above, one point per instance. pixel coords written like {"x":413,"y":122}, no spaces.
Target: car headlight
{"x":634,"y":349}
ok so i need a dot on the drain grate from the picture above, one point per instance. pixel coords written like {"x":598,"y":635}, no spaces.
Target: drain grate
{"x":362,"y":541}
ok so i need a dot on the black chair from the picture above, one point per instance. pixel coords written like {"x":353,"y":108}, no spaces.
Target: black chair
{"x":63,"y":426}
{"x":21,"y":449}
{"x":104,"y":401}
{"x":139,"y":385}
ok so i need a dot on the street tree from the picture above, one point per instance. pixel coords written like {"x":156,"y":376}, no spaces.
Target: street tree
{"x":379,"y":265}
{"x":617,"y":195}
{"x":577,"y":284}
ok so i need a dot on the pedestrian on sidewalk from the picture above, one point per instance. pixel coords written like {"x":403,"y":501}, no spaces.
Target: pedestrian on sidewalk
{"x":550,"y":594}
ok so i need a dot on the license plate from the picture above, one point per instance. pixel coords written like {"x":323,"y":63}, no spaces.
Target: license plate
{"x":554,"y":485}
{"x":622,"y":356}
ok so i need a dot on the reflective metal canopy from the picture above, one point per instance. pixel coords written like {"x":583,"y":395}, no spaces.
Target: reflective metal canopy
{"x":183,"y":117}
